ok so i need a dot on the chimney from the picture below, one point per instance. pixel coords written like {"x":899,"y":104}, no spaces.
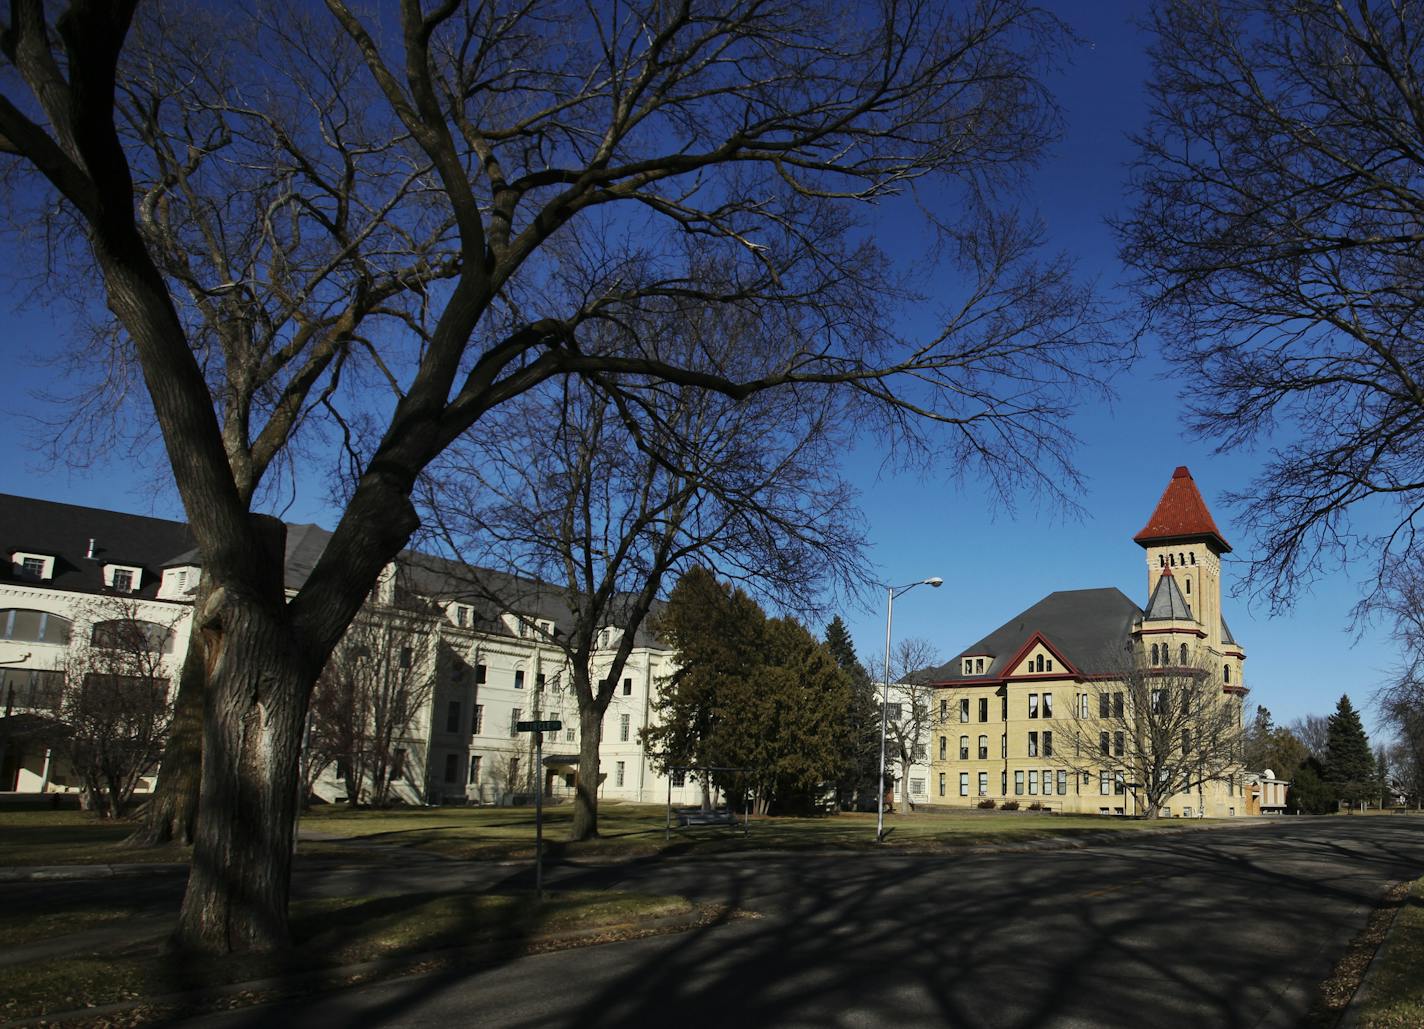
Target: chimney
{"x":90,"y":554}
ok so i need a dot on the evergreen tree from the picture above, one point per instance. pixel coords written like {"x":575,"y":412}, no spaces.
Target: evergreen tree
{"x":1309,"y":793}
{"x":1258,"y":740}
{"x":860,"y":768}
{"x":1349,"y":763}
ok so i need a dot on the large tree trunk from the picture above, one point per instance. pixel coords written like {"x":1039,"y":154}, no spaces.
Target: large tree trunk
{"x":585,"y":824}
{"x":172,"y":813}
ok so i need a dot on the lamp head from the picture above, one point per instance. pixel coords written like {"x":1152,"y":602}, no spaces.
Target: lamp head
{"x":936,"y":581}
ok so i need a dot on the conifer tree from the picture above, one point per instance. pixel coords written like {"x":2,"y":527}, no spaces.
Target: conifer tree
{"x":1349,"y":763}
{"x":857,"y":780}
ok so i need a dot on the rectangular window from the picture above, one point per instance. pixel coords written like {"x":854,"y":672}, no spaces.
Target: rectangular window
{"x":1003,"y":784}
{"x":1033,"y":782}
{"x":1103,"y":701}
{"x":475,"y":760}
{"x":1186,"y":702}
{"x":514,"y":715}
{"x":1062,"y":782}
{"x":983,"y":748}
{"x":893,"y":712}
{"x":919,"y":754}
{"x":479,"y":725}
{"x":1103,"y":743}
{"x":983,"y":709}
{"x":513,"y":773}
{"x":1186,"y":741}
{"x":1082,"y":705}
{"x":943,"y":710}
{"x":964,"y":748}
{"x":627,"y":687}
{"x":943,"y":747}
{"x":539,"y":683}
{"x":407,"y":656}
{"x":1047,"y":743}
{"x":917,"y":787}
{"x":1159,"y":702}
{"x":964,"y":784}
{"x":983,"y":784}
{"x":1119,"y":784}
{"x":1033,"y":744}
{"x":1018,"y":783}
{"x":1004,"y":706}
{"x":35,"y":566}
{"x":1048,"y":705}
{"x":452,"y":717}
{"x":519,"y":679}
{"x":569,"y":735}
{"x":964,"y":710}
{"x":462,"y":615}
{"x":480,"y":674}
{"x":942,"y":778}
{"x":1117,"y":705}
{"x":679,"y":777}
{"x":1003,"y":744}
{"x":623,"y":721}
{"x":452,"y":767}
{"x":619,"y":774}
{"x":1105,"y":783}
{"x":1118,"y":740}
{"x":123,"y":580}
{"x":1033,"y":705}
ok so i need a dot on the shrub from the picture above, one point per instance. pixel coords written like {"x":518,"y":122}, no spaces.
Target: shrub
{"x":1035,"y":806}
{"x":1010,"y":805}
{"x":987,"y":805}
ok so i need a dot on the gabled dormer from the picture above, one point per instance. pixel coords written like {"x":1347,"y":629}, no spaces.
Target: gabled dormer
{"x":1038,"y":657}
{"x":528,"y":626}
{"x":27,"y":564}
{"x":123,"y":578}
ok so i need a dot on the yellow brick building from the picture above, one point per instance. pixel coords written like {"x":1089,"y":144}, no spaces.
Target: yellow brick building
{"x":1087,"y":703}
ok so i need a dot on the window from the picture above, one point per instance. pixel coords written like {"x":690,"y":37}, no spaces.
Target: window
{"x":1182,"y":655}
{"x":1103,"y":744}
{"x":602,"y":639}
{"x":33,"y":566}
{"x":1063,"y":782}
{"x":943,"y":747}
{"x":1117,"y":744}
{"x":942,"y":778}
{"x":1226,"y":673}
{"x":519,"y":679}
{"x":1155,"y":660}
{"x":481,"y":672}
{"x":1039,"y":663}
{"x":31,"y":688}
{"x":892,"y":712}
{"x":1103,"y":701}
{"x":979,"y":664}
{"x":1119,"y":784}
{"x":1159,"y":702}
{"x":627,"y":687}
{"x":539,"y":683}
{"x":679,"y":777}
{"x":983,"y":709}
{"x":1004,"y":706}
{"x":1033,"y":782}
{"x":1105,"y":784}
{"x":452,"y":767}
{"x":1082,"y":705}
{"x":917,"y":787}
{"x":462,"y":618}
{"x":452,"y":719}
{"x":1018,"y":784}
{"x":623,"y":721}
{"x":475,"y":761}
{"x":620,"y":774}
{"x":983,"y":748}
{"x":1047,"y":743}
{"x":514,"y":714}
{"x":1003,"y":784}
{"x":1186,"y":701}
{"x":983,"y":784}
{"x":1004,"y":744}
{"x":123,"y":580}
{"x":398,"y":764}
{"x":570,"y":734}
{"x":964,"y":710}
{"x":132,"y":635}
{"x":964,"y":748}
{"x":1117,"y":705}
{"x":1033,"y":705}
{"x":1033,"y":744}
{"x":1186,"y":741}
{"x":964,"y":784}
{"x":522,"y":627}
{"x":919,"y":754}
{"x":479,"y":725}
{"x":1048,"y":705}
{"x":513,"y":772}
{"x":406,"y":656}
{"x":943,"y":710}
{"x":968,"y":666}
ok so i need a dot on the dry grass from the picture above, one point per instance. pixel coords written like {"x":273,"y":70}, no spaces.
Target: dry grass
{"x":1396,"y":994}
{"x":73,"y":838}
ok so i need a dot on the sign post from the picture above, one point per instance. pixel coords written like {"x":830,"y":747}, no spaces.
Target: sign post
{"x":539,"y":729}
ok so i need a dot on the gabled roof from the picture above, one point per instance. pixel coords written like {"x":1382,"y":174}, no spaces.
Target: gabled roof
{"x":1167,"y":603}
{"x":1090,"y":629}
{"x":1181,"y":514}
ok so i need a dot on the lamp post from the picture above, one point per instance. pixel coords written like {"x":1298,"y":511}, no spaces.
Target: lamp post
{"x":891,"y":592}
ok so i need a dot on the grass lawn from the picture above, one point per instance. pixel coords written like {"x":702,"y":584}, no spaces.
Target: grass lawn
{"x":327,"y":933}
{"x":632,"y":830}
{"x":72,"y":838}
{"x":1396,"y":994}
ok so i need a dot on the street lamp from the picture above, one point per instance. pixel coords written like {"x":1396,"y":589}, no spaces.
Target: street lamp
{"x":891,"y":592}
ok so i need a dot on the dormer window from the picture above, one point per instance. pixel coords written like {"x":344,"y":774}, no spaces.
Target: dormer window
{"x":33,"y":566}
{"x":462,"y":615}
{"x":968,"y":666}
{"x":178,"y":583}
{"x":123,"y":578}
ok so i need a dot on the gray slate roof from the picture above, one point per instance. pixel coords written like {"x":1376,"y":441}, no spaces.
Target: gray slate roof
{"x":1226,"y":636}
{"x":1167,"y":603}
{"x":1090,"y":628}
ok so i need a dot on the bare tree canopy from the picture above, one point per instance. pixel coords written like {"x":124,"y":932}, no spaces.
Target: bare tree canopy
{"x":1276,"y":237}
{"x":507,"y":185}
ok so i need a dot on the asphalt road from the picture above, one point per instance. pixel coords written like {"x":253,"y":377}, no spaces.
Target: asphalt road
{"x":1232,"y":927}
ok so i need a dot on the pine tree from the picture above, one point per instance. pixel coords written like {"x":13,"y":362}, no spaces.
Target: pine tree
{"x":857,"y":781}
{"x":1349,"y":763}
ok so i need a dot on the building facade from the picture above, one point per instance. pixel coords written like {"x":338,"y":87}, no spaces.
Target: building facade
{"x":1087,"y":703}
{"x":477,"y":665}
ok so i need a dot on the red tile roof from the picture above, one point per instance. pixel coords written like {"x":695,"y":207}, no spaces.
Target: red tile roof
{"x":1181,"y":514}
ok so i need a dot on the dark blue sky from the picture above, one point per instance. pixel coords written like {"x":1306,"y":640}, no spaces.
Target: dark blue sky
{"x":920,"y":526}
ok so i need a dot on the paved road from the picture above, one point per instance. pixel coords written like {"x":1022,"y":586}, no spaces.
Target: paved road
{"x":1232,"y":928}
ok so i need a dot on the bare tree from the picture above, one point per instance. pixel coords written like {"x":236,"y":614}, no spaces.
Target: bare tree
{"x":910,"y":733}
{"x":115,"y":708}
{"x":374,"y":690}
{"x":558,"y":166}
{"x":1276,"y":237}
{"x":1312,"y":730}
{"x":1158,"y":732}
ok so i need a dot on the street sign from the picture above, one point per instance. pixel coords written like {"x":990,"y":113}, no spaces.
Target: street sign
{"x":547,"y":725}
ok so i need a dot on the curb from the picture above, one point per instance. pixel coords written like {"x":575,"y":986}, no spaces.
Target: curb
{"x":59,"y":873}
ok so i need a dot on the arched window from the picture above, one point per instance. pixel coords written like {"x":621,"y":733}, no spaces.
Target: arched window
{"x":134,"y":635}
{"x":1193,"y":556}
{"x":1182,"y":560}
{"x":33,"y":626}
{"x":1189,"y":587}
{"x":1155,"y":653}
{"x":1172,"y":560}
{"x":1182,"y":656}
{"x":1039,"y":664}
{"x":1161,"y":561}
{"x":1226,"y":673}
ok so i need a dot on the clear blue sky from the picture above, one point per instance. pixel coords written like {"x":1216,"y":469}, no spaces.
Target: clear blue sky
{"x":927,"y":526}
